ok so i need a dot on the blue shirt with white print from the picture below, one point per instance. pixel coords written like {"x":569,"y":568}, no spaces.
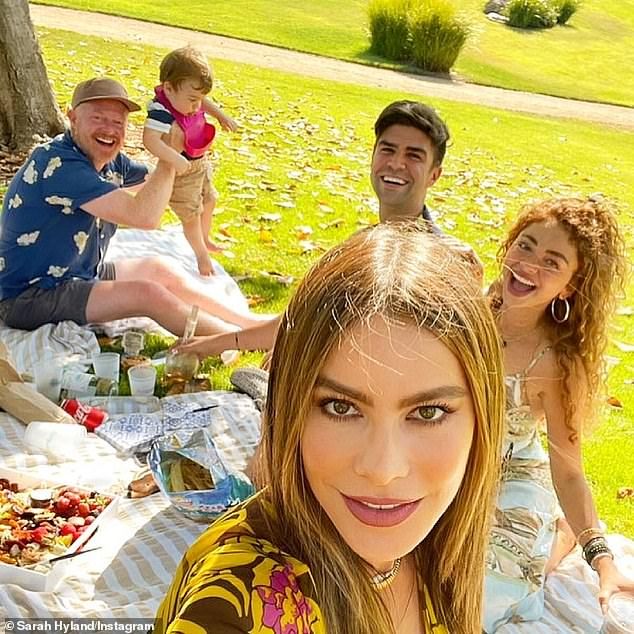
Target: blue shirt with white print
{"x":46,"y":237}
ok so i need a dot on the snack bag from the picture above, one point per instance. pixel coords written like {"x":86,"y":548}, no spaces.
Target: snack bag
{"x":191,"y":474}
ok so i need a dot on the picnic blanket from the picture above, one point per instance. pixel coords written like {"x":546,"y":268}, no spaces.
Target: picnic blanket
{"x":67,"y":338}
{"x":140,"y":548}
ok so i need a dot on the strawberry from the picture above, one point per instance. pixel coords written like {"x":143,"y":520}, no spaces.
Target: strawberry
{"x":62,"y":505}
{"x":68,"y":529}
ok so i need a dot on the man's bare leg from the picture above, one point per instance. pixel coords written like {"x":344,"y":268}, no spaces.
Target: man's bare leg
{"x":167,"y":272}
{"x":119,"y":299}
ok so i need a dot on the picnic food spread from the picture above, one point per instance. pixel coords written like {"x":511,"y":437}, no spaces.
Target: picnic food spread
{"x":37,"y":524}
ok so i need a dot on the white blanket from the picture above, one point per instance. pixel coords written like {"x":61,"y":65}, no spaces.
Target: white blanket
{"x":142,"y":545}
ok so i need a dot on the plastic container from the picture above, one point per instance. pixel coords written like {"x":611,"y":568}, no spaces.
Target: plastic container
{"x":620,"y":616}
{"x":142,"y":380}
{"x":45,"y":577}
{"x":57,"y":440}
{"x":47,"y":374}
{"x":106,"y":365}
{"x":122,"y":405}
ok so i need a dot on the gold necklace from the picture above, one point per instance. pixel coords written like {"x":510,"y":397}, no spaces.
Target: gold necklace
{"x":384,"y":579}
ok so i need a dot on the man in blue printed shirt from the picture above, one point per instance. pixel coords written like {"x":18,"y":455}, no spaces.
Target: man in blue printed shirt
{"x":62,"y":208}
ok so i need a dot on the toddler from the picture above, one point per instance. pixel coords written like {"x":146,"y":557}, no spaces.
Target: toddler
{"x":180,"y":100}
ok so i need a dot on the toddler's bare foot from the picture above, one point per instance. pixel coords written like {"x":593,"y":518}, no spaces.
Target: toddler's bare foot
{"x":212,"y":246}
{"x":205,"y":266}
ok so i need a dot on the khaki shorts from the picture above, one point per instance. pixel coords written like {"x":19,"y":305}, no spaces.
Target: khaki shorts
{"x":38,"y":306}
{"x":192,"y":190}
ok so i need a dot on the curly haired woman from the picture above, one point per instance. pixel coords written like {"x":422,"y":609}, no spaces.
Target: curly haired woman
{"x":563,"y":266}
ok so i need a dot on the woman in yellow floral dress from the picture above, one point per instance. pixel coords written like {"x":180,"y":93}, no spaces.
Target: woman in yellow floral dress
{"x":379,"y":457}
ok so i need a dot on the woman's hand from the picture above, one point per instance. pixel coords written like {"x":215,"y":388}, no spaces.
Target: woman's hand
{"x":207,"y":346}
{"x":611,"y":581}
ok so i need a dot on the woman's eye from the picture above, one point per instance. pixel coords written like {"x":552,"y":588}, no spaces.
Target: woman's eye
{"x":552,"y":264}
{"x":339,"y":408}
{"x":429,"y":413}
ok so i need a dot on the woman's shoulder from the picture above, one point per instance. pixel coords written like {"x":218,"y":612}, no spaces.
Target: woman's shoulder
{"x":236,"y":579}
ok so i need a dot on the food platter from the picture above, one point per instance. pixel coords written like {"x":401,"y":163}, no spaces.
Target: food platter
{"x":41,"y":520}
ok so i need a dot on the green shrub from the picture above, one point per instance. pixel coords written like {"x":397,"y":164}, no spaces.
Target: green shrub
{"x":532,"y":14}
{"x":389,"y":30}
{"x":427,"y":33}
{"x":437,"y":34}
{"x":566,"y":9}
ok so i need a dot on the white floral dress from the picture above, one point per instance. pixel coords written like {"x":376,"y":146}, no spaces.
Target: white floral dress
{"x":525,"y":517}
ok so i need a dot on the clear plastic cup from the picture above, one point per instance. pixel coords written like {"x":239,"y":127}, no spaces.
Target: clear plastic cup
{"x":106,"y":365}
{"x":142,"y":380}
{"x":620,"y":616}
{"x":48,"y":376}
{"x":59,"y":440}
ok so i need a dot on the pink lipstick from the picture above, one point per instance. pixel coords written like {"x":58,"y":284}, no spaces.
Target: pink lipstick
{"x":380,"y":512}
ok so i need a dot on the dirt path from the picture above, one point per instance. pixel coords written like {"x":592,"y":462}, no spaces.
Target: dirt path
{"x":219,"y":47}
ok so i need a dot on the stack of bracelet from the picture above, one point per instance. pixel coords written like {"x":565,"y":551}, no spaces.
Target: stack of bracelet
{"x":596,"y":547}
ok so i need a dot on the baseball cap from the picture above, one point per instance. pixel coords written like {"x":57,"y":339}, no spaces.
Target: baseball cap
{"x":102,"y":88}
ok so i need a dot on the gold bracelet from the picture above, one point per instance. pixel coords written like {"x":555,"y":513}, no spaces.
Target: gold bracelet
{"x":593,"y":530}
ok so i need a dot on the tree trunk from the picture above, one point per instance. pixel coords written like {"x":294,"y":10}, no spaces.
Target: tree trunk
{"x":27,"y":105}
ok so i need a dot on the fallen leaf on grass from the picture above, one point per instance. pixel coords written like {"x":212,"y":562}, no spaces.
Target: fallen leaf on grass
{"x":303,"y":232}
{"x":327,"y":209}
{"x":624,"y":347}
{"x":287,"y":204}
{"x":265,"y":236}
{"x":280,"y":278}
{"x":332,"y":224}
{"x":270,"y":217}
{"x":225,"y":237}
{"x":255,"y":300}
{"x":308,"y":246}
{"x":614,"y":402}
{"x":625,"y":492}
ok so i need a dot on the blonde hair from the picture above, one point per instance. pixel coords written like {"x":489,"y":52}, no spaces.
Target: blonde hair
{"x":186,"y":63}
{"x":403,"y":274}
{"x":598,"y":281}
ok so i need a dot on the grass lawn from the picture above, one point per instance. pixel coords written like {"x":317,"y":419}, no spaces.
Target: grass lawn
{"x":294,"y":181}
{"x":584,"y":59}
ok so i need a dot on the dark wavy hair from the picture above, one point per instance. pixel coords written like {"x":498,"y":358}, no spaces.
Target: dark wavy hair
{"x":416,"y":115}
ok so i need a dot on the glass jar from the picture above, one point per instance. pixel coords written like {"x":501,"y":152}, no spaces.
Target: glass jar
{"x":180,"y":368}
{"x":81,"y":385}
{"x":132,"y":342}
